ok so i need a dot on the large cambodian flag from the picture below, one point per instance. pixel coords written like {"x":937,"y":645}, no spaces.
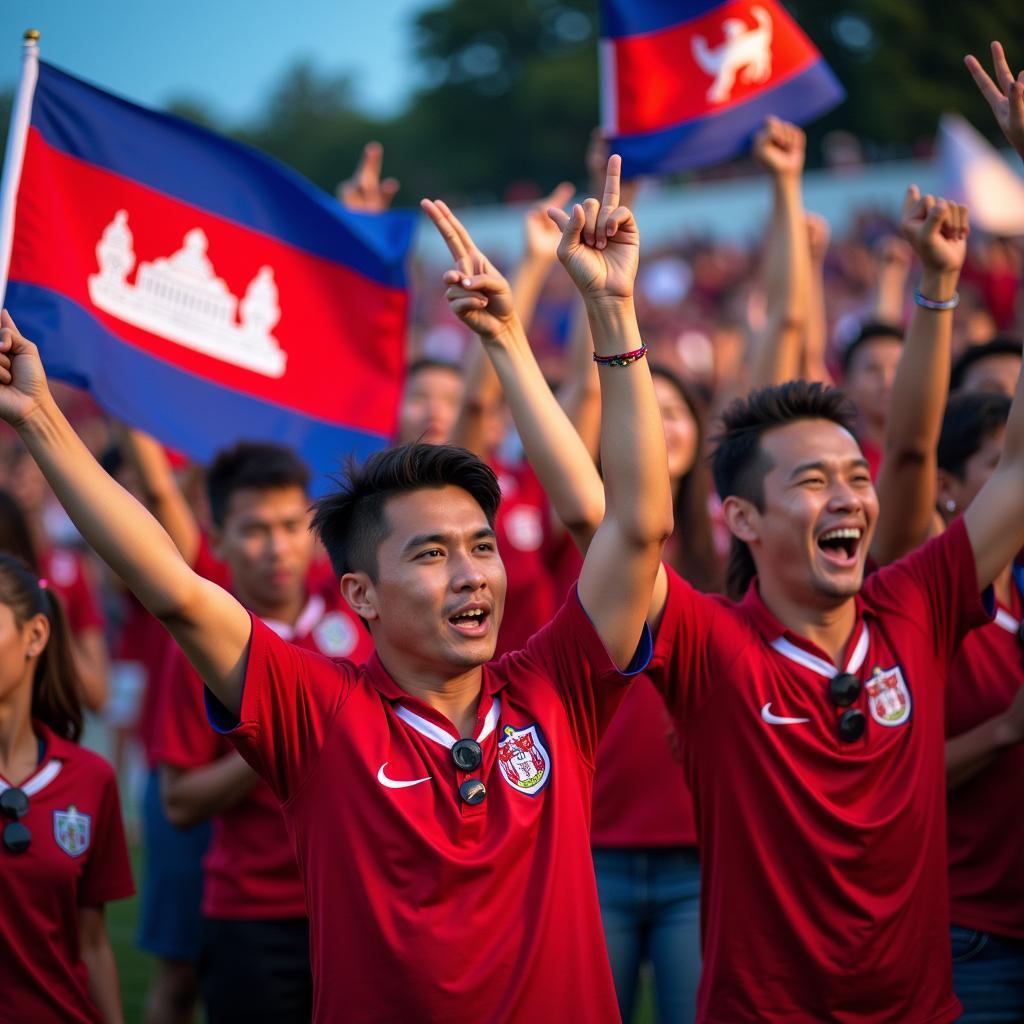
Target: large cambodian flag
{"x":685,"y":83}
{"x":196,"y":288}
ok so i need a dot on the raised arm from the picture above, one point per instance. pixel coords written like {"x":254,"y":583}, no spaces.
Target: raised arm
{"x":482,"y":390}
{"x":995,"y":519}
{"x":599,"y":248}
{"x":893,"y":259}
{"x":778,"y":354}
{"x":161,"y":490}
{"x":812,"y":362}
{"x":937,"y":231}
{"x":555,"y":452}
{"x":209,"y":624}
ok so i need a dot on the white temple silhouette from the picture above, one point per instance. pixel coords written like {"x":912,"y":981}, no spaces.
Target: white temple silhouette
{"x":180,"y":298}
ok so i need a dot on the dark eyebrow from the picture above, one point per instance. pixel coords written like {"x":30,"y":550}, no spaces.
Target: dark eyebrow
{"x":804,"y":467}
{"x":442,"y":538}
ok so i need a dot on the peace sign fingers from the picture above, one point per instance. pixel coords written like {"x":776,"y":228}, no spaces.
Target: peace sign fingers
{"x":456,"y":237}
{"x":1005,"y":95}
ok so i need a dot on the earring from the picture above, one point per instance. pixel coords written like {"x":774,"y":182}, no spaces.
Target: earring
{"x":950,"y":505}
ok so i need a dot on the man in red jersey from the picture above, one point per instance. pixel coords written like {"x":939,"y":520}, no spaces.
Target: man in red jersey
{"x":813,"y":709}
{"x":439,"y":806}
{"x":254,"y":956}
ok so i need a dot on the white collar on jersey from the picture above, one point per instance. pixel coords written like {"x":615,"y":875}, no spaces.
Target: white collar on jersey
{"x":308,"y":618}
{"x":824,"y":668}
{"x":1006,"y":621}
{"x":442,"y":736}
{"x":40,"y":780}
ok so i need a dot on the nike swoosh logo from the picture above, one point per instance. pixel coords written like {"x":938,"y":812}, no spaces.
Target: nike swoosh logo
{"x":771,"y":719}
{"x":395,"y":784}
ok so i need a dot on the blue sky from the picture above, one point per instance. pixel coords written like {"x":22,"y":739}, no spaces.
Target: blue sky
{"x":225,"y":53}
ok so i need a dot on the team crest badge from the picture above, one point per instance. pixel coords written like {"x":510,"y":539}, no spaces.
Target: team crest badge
{"x":72,"y":829}
{"x":888,"y":697}
{"x":524,"y":761}
{"x":335,"y":635}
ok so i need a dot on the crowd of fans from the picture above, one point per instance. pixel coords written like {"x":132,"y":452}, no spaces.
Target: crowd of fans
{"x":226,"y":906}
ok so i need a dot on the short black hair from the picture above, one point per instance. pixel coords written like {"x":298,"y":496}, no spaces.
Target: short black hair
{"x":739,"y":464}
{"x":1001,"y":345}
{"x":871,"y":330}
{"x":970,"y":418}
{"x":352,"y":521}
{"x":252,"y":466}
{"x":430,"y":363}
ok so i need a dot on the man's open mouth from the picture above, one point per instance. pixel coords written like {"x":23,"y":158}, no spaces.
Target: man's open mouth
{"x":841,"y":544}
{"x":471,"y":621}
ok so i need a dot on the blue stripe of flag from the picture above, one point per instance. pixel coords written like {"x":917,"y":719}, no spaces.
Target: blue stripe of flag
{"x":77,"y":348}
{"x":224,"y":177}
{"x":636,"y":17}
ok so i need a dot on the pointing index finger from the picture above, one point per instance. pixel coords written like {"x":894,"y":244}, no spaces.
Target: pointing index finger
{"x":612,"y":183}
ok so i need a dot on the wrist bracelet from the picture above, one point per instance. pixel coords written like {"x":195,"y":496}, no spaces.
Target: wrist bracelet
{"x":622,"y":359}
{"x":927,"y":303}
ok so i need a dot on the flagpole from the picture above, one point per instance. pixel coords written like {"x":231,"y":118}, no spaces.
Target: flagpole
{"x":14,"y":155}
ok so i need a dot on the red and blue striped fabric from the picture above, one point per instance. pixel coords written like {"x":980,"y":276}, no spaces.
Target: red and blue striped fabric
{"x":200,"y":290}
{"x":686,"y":84}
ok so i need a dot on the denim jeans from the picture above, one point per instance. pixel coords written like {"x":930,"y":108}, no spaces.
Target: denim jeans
{"x":650,"y":906}
{"x":988,"y":976}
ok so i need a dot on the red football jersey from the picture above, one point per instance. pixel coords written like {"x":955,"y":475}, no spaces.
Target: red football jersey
{"x":641,"y":798}
{"x":144,"y":641}
{"x":986,"y":834}
{"x":424,"y":907}
{"x":77,"y":858}
{"x":249,"y":871}
{"x":824,"y":892}
{"x":522,"y":528}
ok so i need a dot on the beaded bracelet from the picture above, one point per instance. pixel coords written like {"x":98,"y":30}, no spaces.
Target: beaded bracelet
{"x":622,"y":359}
{"x":927,"y":303}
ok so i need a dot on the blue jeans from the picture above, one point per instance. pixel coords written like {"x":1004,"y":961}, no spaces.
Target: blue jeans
{"x":988,"y":976}
{"x":650,"y":907}
{"x":172,"y":883}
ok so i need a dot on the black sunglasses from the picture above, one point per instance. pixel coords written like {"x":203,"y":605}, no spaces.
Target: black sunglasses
{"x":468,"y":756}
{"x":14,"y":804}
{"x":843,"y":690}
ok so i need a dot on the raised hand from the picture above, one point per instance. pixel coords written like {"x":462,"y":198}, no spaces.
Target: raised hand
{"x":892,"y":253}
{"x":780,"y":147}
{"x":819,"y":234}
{"x":937,"y":230}
{"x":22,"y":378}
{"x":364,"y":192}
{"x":600,"y":246}
{"x":478,"y":295}
{"x":1005,"y":96}
{"x":542,"y":235}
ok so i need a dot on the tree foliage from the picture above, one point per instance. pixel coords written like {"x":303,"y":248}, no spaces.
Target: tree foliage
{"x":508,"y":93}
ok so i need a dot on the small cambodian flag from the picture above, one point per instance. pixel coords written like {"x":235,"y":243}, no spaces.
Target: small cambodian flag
{"x":686,"y":83}
{"x":198,"y":289}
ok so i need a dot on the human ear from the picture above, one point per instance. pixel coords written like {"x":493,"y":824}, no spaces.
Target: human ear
{"x":947,"y":494}
{"x":742,"y":518}
{"x":37,"y":633}
{"x":360,"y":594}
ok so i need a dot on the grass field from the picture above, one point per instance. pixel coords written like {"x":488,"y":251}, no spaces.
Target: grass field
{"x":135,"y":966}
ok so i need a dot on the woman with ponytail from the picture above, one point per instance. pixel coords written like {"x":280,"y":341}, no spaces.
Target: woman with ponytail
{"x":62,"y":848}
